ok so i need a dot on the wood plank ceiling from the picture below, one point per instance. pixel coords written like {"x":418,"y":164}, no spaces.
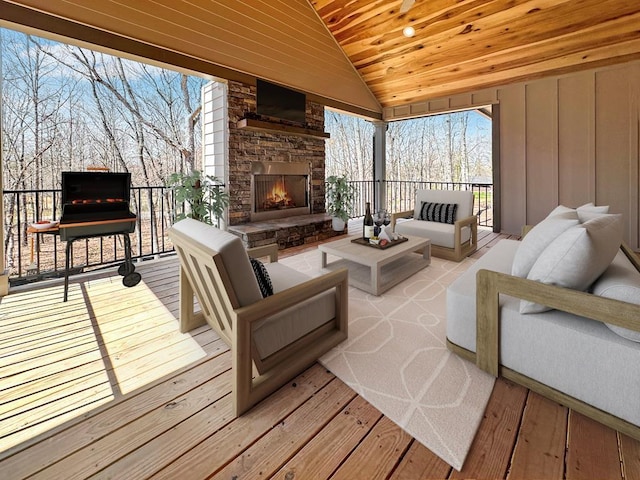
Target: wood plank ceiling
{"x":459,"y":45}
{"x":466,"y":45}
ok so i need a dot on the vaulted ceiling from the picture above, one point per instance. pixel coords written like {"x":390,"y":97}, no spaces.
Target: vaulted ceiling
{"x":465,"y":45}
{"x":352,"y":54}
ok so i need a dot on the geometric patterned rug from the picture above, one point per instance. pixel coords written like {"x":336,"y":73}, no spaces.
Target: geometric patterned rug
{"x":396,"y":358}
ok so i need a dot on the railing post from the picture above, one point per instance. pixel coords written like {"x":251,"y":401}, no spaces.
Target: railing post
{"x":380,"y":165}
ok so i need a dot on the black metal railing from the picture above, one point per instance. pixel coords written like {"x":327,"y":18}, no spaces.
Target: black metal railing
{"x":35,"y":256}
{"x":401,"y":196}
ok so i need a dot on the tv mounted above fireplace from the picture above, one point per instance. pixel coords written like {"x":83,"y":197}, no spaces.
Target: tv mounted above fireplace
{"x":280,"y":102}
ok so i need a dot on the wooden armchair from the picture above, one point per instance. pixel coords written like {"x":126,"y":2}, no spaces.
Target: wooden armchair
{"x":449,"y":241}
{"x":279,"y":335}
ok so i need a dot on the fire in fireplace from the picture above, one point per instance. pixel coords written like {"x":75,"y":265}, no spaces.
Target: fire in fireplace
{"x":279,"y":189}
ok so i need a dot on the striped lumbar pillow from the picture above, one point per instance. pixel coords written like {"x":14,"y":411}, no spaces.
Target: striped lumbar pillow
{"x":439,"y":212}
{"x":262,"y":276}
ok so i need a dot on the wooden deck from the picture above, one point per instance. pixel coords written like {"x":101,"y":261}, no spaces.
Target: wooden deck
{"x":104,"y":386}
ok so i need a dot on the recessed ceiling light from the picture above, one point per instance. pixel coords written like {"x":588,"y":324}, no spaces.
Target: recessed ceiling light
{"x":409,"y":31}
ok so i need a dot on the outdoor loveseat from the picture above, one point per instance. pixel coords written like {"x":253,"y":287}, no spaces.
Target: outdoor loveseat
{"x":576,"y":344}
{"x":446,"y":218}
{"x":274,"y":318}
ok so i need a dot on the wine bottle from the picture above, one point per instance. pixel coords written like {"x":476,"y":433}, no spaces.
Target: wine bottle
{"x":367,"y":228}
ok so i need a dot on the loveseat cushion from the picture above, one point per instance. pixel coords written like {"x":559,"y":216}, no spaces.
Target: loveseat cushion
{"x":620,"y":281}
{"x":275,"y":332}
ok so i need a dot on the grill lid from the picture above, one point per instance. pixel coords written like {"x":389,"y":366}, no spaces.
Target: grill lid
{"x":95,"y":187}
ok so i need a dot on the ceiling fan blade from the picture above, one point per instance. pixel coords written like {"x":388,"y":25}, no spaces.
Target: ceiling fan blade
{"x":406,"y":5}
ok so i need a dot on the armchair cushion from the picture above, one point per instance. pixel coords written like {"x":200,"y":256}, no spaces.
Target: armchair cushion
{"x":438,"y":212}
{"x":233,"y":255}
{"x":439,"y":233}
{"x":463,"y":198}
{"x":275,"y":332}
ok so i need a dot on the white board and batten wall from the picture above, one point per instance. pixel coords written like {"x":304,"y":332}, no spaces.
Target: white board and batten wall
{"x":564,"y":140}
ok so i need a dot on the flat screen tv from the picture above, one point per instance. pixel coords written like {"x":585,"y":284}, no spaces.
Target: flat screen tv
{"x":280,"y":102}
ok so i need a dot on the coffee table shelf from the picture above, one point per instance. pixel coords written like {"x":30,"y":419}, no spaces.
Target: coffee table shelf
{"x":373,"y":270}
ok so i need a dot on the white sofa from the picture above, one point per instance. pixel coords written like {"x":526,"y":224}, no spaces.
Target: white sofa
{"x":570,"y":353}
{"x":451,"y":241}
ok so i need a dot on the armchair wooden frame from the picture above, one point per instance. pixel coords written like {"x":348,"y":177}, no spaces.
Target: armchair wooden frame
{"x":489,"y":286}
{"x":203,"y":275}
{"x":460,"y":249}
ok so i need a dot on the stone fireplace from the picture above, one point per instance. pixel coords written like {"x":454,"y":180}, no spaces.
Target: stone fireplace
{"x":267,"y":156}
{"x":279,"y":190}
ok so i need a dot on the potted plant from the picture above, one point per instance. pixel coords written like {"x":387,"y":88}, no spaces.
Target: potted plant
{"x":340,"y":195}
{"x":198,"y":196}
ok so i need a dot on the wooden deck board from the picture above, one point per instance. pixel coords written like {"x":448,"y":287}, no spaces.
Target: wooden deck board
{"x":542,"y":440}
{"x":223,"y":446}
{"x":119,"y":443}
{"x":630,"y":456}
{"x":323,"y":454}
{"x":493,"y":445}
{"x":39,"y":453}
{"x":420,"y":462}
{"x":267,"y":455}
{"x":378,"y":454}
{"x":111,"y":389}
{"x":592,"y":450}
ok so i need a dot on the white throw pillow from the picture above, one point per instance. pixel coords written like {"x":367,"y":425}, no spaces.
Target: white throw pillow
{"x":620,"y":281}
{"x":540,"y":236}
{"x":577,"y":257}
{"x":589,"y":210}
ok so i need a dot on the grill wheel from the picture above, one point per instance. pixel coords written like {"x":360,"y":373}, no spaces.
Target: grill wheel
{"x":131,"y":279}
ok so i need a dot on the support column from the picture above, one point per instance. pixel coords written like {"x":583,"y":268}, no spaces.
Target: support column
{"x":380,"y":165}
{"x":4,"y":274}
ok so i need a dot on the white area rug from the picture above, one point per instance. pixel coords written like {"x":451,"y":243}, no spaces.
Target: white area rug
{"x":396,"y":358}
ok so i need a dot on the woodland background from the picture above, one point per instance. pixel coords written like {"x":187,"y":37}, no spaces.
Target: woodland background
{"x":67,"y":108}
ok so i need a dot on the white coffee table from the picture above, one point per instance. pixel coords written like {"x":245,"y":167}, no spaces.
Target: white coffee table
{"x":376,"y":270}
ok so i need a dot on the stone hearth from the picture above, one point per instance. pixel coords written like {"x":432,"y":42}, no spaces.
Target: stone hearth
{"x":286,"y":232}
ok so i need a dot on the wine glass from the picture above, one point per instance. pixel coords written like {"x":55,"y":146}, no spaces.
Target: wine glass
{"x":387,"y":218}
{"x":379,"y":220}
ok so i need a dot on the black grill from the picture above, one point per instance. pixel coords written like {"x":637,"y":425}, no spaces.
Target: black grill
{"x":95,"y":205}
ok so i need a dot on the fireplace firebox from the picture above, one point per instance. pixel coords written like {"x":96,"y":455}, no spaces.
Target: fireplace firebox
{"x":279,"y":190}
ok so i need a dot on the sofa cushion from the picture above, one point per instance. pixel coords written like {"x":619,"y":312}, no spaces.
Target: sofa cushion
{"x":234,"y":257}
{"x":273,"y":333}
{"x":540,"y":236}
{"x":262,"y":277}
{"x":461,"y":293}
{"x":438,"y":212}
{"x":440,"y":234}
{"x":620,"y":281}
{"x":577,"y":257}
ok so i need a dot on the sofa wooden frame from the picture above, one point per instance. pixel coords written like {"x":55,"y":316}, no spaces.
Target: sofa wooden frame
{"x":460,"y":249}
{"x":203,"y":276}
{"x":489,"y":286}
